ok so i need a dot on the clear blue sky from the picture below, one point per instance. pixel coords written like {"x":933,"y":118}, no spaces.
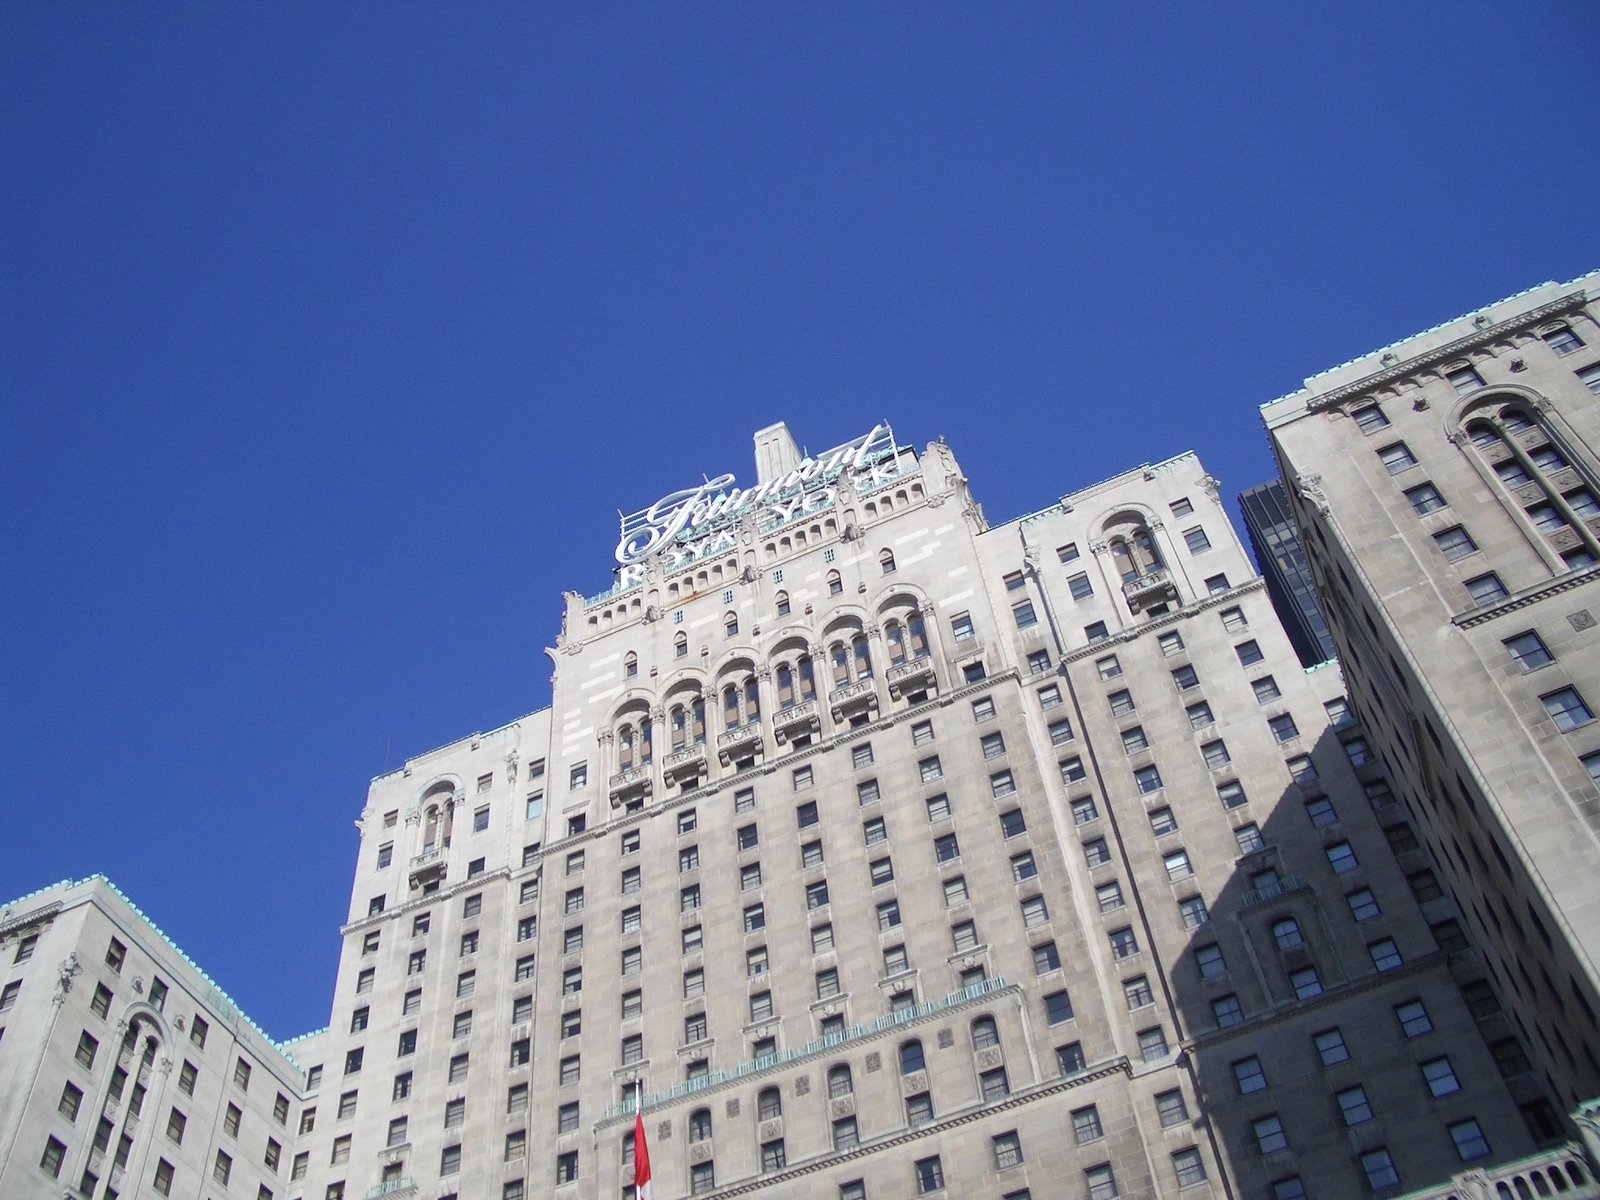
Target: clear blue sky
{"x":332,"y":337}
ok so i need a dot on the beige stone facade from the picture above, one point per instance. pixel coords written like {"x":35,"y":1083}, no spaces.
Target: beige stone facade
{"x":889,"y":852}
{"x":1448,"y":489}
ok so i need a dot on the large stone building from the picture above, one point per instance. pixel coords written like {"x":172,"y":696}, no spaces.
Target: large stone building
{"x":1448,"y":489}
{"x":884,"y":852}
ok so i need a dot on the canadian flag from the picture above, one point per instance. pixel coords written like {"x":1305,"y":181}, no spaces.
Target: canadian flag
{"x":641,"y":1155}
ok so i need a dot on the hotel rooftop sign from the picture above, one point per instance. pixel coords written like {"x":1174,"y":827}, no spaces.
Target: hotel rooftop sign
{"x":686,"y":524}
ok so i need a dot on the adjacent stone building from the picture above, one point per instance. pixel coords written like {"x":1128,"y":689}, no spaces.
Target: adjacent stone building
{"x":1447,"y":487}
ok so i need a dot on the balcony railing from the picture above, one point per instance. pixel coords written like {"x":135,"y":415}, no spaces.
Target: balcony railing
{"x":1270,"y":891}
{"x":908,"y":675}
{"x":860,"y":694}
{"x":689,"y":760}
{"x":401,"y":1186}
{"x":1560,"y":1172}
{"x":629,"y":782}
{"x":821,"y":1045}
{"x":733,"y":742}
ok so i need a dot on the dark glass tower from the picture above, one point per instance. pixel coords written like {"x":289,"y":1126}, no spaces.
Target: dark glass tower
{"x":1275,"y":538}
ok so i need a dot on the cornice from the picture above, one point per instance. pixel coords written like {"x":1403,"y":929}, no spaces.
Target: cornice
{"x":1523,"y":599}
{"x":1450,"y":350}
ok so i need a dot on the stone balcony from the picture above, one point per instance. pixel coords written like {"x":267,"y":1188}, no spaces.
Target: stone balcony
{"x":738,"y":743}
{"x":913,"y":676}
{"x":428,"y":865}
{"x":1153,"y":587}
{"x":632,"y":783}
{"x":1559,"y":1172}
{"x":684,"y":762}
{"x":796,"y":721}
{"x":860,"y":696}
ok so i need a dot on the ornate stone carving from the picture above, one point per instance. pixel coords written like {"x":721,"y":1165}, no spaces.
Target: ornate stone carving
{"x":1310,"y":489}
{"x":947,"y":1038}
{"x":732,"y":1107}
{"x":1581,"y":620}
{"x":874,"y":1063}
{"x":663,"y":1131}
{"x":802,"y":1086}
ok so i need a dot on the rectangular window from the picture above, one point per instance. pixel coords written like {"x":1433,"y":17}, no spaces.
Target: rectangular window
{"x":1049,"y":697}
{"x":1147,"y":779}
{"x":1283,"y":728}
{"x":1455,"y":543}
{"x":1342,"y":858}
{"x":1079,"y":586}
{"x":1396,"y":457}
{"x":1024,"y":615}
{"x":1354,"y":1106}
{"x":1249,"y":1075}
{"x":1424,"y":498}
{"x":1096,"y":853}
{"x":1369,"y":418}
{"x":1249,"y":653}
{"x":1486,"y":590}
{"x":1184,"y":678}
{"x":1196,"y":540}
{"x":1269,"y":1133}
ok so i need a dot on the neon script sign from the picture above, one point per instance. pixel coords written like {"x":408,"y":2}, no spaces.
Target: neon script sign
{"x":692,"y":513}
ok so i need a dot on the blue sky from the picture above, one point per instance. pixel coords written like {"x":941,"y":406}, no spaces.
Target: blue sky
{"x":333,"y":337}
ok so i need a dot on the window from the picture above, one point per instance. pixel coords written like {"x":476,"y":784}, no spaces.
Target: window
{"x":1096,"y":853}
{"x":806,"y":814}
{"x":1188,"y":1167}
{"x":1095,"y":631}
{"x":88,"y":1047}
{"x":688,"y":860}
{"x":1363,"y":904}
{"x":930,"y":1175}
{"x":1286,"y":933}
{"x":1486,"y":590}
{"x":702,"y":1178}
{"x":1354,"y":1106}
{"x":801,"y":779}
{"x":1152,"y":1044}
{"x":1001,"y":784}
{"x":964,"y":934}
{"x":1147,"y":779}
{"x":1049,"y":697}
{"x":1424,"y":498}
{"x":749,"y":877}
{"x":755,"y":961}
{"x":1217,"y":584}
{"x":1046,"y":958}
{"x":1590,"y":377}
{"x":1283,"y":728}
{"x":1249,"y":653}
{"x":1162,"y":822}
{"x":1034,"y":910}
{"x":1441,"y":1077}
{"x":347,"y":1106}
{"x":1249,"y":1075}
{"x":1184,"y":678}
{"x":929,"y":769}
{"x":1385,"y":954}
{"x":1137,"y":992}
{"x":1306,"y":983}
{"x":1196,"y":540}
{"x":1007,"y":1150}
{"x":1231,"y":794}
{"x":632,"y":880}
{"x":1342,"y":858}
{"x":1109,"y":668}
{"x":1379,"y":1169}
{"x":692,"y":940}
{"x":1170,"y":1107}
{"x":1396,"y":457}
{"x":1024,"y":615}
{"x":1227,"y":1011}
{"x":1369,"y":418}
{"x":1069,"y":1058}
{"x":1269,"y":1133}
{"x":1079,"y":586}
{"x":1562,"y":340}
{"x":1177,"y":864}
{"x":1567,"y":709}
{"x":1210,"y":961}
{"x":1528,"y":651}
{"x":1193,"y":911}
{"x":1102,"y":1183}
{"x":1123,"y":942}
{"x":1216,"y":754}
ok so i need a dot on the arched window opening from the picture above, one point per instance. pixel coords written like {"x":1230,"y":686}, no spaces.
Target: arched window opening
{"x":984,"y":1033}
{"x":894,"y":636}
{"x":786,"y":696}
{"x":680,"y":646}
{"x":1558,"y":497}
{"x":917,"y":636}
{"x":730,"y":706}
{"x":625,"y":747}
{"x":886,"y":562}
{"x":835,"y":583}
{"x":769,"y":1104}
{"x":782,"y":603}
{"x":840,"y":1082}
{"x":1122,"y":559}
{"x":700,"y":1125}
{"x":752,"y":700}
{"x":1286,"y":933}
{"x":862,"y":655}
{"x":839,"y":656}
{"x":630,"y":665}
{"x":730,"y":624}
{"x":808,"y":679}
{"x":911,"y":1057}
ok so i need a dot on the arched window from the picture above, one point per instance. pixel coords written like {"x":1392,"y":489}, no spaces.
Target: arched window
{"x":700,"y":1125}
{"x":862,"y":655}
{"x":769,"y":1104}
{"x":752,"y":700}
{"x":894,"y":636}
{"x":839,"y":655}
{"x":785,"y":677}
{"x":781,"y":601}
{"x":984,"y":1033}
{"x":1556,"y":494}
{"x":808,"y":679}
{"x":730,"y":624}
{"x":917,"y":636}
{"x":625,"y":747}
{"x":835,"y":584}
{"x":630,"y":665}
{"x":1286,"y":932}
{"x":886,"y":561}
{"x":680,"y":646}
{"x":839,"y":1081}
{"x":730,"y":706}
{"x":911,"y":1059}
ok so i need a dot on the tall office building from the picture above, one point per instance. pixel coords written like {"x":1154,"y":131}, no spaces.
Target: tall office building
{"x":1275,"y":538}
{"x":880,"y":851}
{"x":1447,"y":486}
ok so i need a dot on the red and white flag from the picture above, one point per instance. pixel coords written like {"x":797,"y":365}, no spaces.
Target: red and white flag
{"x":641,"y":1152}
